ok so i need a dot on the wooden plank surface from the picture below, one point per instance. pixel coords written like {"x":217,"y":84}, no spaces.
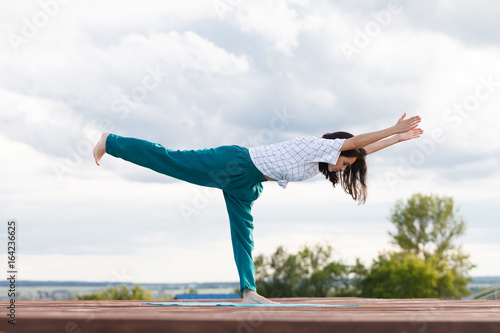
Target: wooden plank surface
{"x":373,"y":315}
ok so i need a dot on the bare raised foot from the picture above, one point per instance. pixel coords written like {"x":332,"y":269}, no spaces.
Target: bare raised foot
{"x":251,"y":297}
{"x":100,"y":148}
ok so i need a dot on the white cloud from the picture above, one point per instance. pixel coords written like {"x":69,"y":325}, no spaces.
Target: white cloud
{"x":322,"y":98}
{"x":486,"y":255}
{"x":70,"y":90}
{"x":39,"y":121}
{"x":277,"y":22}
{"x":172,"y":51}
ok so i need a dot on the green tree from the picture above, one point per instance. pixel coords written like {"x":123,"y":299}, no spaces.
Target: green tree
{"x":120,"y":292}
{"x":428,"y":263}
{"x":279,"y":275}
{"x":405,"y":275}
{"x":427,"y":225}
{"x":309,"y":273}
{"x":426,"y":228}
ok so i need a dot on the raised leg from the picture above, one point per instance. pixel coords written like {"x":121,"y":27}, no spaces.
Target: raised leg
{"x":193,"y":166}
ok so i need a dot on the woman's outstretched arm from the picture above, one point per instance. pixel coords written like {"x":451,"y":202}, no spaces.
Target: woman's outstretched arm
{"x":363,"y":140}
{"x":379,"y":145}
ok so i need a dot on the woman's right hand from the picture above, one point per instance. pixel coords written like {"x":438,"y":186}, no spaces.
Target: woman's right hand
{"x":412,"y":134}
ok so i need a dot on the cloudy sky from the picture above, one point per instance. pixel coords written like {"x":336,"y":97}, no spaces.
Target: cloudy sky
{"x":196,"y":74}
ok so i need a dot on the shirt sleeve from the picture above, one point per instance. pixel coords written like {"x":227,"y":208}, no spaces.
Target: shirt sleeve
{"x":325,"y":150}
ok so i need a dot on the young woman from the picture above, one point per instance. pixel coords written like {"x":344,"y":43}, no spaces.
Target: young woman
{"x":239,"y":173}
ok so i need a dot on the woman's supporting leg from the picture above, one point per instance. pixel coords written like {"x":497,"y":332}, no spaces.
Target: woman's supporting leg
{"x":241,"y":223}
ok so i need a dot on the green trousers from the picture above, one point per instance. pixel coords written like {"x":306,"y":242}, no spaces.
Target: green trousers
{"x":228,"y":168}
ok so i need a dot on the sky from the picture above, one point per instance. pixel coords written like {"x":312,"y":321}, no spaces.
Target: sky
{"x":198,"y":74}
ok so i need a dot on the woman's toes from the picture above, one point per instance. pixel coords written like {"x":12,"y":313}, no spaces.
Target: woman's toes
{"x":100,"y":148}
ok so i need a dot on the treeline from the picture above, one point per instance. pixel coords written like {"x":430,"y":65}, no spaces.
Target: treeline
{"x":427,"y":263}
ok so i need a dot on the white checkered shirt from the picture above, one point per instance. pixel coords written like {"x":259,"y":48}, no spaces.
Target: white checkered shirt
{"x":295,"y":160}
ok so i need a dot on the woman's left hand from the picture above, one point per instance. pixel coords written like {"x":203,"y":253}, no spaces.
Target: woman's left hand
{"x":411,"y":134}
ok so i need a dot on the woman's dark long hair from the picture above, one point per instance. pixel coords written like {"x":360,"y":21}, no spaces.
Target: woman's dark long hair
{"x":353,"y":178}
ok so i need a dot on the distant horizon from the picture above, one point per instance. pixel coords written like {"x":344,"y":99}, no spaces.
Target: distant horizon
{"x":2,"y":283}
{"x":20,"y":282}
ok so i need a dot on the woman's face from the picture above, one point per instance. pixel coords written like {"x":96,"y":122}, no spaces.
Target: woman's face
{"x":341,"y":164}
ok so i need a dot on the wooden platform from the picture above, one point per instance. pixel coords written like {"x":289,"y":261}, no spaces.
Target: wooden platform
{"x":373,"y":315}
